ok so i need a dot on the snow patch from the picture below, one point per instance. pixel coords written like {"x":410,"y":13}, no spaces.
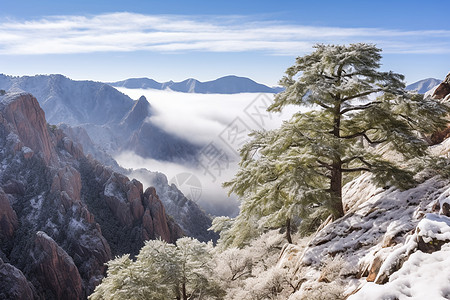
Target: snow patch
{"x":422,"y":276}
{"x":434,"y":227}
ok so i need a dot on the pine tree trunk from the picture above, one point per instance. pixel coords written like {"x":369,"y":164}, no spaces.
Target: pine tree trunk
{"x":336,"y":167}
{"x":183,"y":287}
{"x":288,"y":230}
{"x":336,"y":190}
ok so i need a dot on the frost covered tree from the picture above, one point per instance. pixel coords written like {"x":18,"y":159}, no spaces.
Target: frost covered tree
{"x":162,"y":271}
{"x":353,"y":118}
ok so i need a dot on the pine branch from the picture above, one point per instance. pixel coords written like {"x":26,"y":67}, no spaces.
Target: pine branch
{"x":360,"y":95}
{"x":355,"y":169}
{"x":360,"y":107}
{"x":325,"y":165}
{"x":323,"y":105}
{"x":364,"y":135}
{"x":360,"y":158}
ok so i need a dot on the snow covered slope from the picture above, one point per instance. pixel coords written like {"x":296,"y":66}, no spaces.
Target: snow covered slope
{"x":424,"y":85}
{"x":388,"y":245}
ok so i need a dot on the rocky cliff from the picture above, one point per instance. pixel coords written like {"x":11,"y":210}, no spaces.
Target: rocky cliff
{"x":442,"y":93}
{"x":63,"y":215}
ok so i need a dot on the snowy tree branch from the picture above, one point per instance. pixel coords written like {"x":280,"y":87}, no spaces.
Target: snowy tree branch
{"x":360,"y":107}
{"x":360,"y":95}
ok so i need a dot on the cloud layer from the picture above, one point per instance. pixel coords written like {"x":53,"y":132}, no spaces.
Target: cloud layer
{"x":218,"y":122}
{"x":127,"y":32}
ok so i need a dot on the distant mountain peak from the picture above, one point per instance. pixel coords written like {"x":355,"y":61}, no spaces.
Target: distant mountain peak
{"x":424,"y":85}
{"x":230,"y":84}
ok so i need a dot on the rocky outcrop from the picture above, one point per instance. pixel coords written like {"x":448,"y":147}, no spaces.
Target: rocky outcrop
{"x":155,"y":213}
{"x":55,"y":269}
{"x":443,"y":89}
{"x":13,"y":284}
{"x":137,"y":115}
{"x":132,"y":207}
{"x":22,"y":113}
{"x":8,"y":217}
{"x":442,"y":92}
{"x":189,"y":216}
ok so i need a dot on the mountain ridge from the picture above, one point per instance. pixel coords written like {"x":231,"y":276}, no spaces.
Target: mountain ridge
{"x":230,"y":84}
{"x":424,"y":85}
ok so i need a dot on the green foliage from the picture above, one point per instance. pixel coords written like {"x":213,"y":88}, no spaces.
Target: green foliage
{"x":2,"y":92}
{"x":357,"y":119}
{"x":162,"y":271}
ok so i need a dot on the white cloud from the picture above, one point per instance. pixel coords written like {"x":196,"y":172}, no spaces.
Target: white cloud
{"x":126,"y":32}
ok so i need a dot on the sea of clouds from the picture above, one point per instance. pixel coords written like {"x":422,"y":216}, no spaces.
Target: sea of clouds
{"x":220,"y":124}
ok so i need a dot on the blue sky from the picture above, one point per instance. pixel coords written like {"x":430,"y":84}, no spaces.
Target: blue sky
{"x":113,"y":40}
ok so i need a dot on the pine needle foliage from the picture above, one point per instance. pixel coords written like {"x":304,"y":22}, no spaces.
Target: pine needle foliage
{"x":162,"y":271}
{"x":360,"y":119}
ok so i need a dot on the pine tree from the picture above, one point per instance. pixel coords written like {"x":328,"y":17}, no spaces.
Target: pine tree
{"x":162,"y":271}
{"x":360,"y":119}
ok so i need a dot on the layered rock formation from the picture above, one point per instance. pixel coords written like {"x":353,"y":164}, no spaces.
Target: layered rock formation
{"x":63,"y":215}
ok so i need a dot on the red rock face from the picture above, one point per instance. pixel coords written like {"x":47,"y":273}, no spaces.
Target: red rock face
{"x":28,"y":121}
{"x":55,"y":269}
{"x":8,"y":217}
{"x":443,"y":90}
{"x":155,"y":208}
{"x":68,"y":180}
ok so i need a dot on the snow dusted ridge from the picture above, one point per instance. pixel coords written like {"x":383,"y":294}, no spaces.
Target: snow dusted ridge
{"x":424,"y":85}
{"x":390,"y":245}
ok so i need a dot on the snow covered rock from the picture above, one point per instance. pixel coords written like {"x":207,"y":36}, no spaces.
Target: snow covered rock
{"x":416,"y":278}
{"x":433,"y":232}
{"x":381,"y":233}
